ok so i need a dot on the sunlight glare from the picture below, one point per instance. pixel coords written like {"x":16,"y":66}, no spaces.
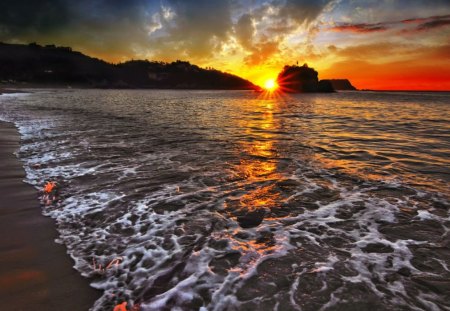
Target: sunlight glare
{"x":270,"y":85}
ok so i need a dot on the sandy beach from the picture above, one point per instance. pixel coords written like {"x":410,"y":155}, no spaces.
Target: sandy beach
{"x":35,"y":272}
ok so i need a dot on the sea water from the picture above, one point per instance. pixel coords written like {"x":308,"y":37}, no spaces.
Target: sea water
{"x":234,"y":200}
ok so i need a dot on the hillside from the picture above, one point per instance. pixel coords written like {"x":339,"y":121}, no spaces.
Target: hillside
{"x":51,"y":65}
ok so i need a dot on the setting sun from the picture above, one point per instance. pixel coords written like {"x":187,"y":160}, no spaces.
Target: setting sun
{"x":270,"y":85}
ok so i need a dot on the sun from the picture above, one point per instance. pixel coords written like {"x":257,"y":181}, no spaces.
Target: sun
{"x":270,"y":85}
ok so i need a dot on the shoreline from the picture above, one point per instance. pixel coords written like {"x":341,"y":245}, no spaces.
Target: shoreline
{"x":19,"y":88}
{"x":36,"y":273}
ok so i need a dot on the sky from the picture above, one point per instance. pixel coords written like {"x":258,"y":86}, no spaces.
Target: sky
{"x":377,"y":44}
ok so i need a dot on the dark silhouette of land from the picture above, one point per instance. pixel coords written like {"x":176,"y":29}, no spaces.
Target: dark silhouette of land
{"x":60,"y":66}
{"x":303,"y":79}
{"x":342,"y":84}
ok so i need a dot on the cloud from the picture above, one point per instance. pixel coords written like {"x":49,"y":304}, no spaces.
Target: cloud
{"x":425,"y":19}
{"x":261,"y":52}
{"x":434,"y":24}
{"x":427,"y":23}
{"x":362,"y":28}
{"x":381,"y":51}
{"x":166,"y":29}
{"x":244,"y":35}
{"x":303,"y":11}
{"x":198,"y":29}
{"x":244,"y":31}
{"x":262,"y":31}
{"x":20,"y":17}
{"x":421,"y":24}
{"x":113,"y":29}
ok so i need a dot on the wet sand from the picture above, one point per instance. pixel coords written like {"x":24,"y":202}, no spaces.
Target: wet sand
{"x":35,"y":272}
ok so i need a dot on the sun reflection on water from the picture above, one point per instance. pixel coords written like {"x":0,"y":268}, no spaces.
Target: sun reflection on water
{"x":257,"y":168}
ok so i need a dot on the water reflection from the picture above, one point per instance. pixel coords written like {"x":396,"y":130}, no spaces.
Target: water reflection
{"x":257,"y":167}
{"x":366,"y":140}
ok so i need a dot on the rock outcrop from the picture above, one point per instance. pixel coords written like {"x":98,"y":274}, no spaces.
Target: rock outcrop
{"x":302,"y":79}
{"x":341,"y":84}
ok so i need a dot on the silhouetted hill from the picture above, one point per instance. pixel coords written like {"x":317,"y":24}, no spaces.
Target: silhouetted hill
{"x":342,"y":84}
{"x":51,"y":65}
{"x":302,"y":79}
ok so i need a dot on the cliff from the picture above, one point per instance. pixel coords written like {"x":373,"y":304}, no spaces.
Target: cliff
{"x":51,"y":65}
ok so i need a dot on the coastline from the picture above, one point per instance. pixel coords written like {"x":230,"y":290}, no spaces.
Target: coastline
{"x":35,"y":272}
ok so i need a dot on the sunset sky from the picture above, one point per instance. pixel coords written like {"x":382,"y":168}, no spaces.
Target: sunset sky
{"x":386,"y":44}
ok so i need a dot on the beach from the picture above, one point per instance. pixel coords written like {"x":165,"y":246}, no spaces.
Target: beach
{"x":35,"y":272}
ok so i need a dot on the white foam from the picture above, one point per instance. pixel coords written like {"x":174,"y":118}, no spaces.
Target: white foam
{"x":424,"y":215}
{"x":161,"y":224}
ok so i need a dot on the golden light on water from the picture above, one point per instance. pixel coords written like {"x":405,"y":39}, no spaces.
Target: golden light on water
{"x":260,"y":164}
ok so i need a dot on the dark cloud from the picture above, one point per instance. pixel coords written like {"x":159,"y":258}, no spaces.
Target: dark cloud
{"x":438,"y":23}
{"x":198,"y":29}
{"x":244,"y":31}
{"x":47,"y":16}
{"x":20,"y":17}
{"x":363,"y":28}
{"x":303,"y":11}
{"x":108,"y":28}
{"x":426,"y":24}
{"x":422,"y":24}
{"x":425,"y":19}
{"x":332,"y":48}
{"x":195,"y":28}
{"x":201,"y":30}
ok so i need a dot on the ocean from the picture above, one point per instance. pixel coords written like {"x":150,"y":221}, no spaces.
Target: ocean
{"x":235,"y":200}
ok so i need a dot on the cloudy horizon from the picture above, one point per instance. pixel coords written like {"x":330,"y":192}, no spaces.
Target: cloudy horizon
{"x":376,"y":44}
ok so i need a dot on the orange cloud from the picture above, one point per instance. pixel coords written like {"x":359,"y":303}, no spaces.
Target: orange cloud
{"x":261,"y":52}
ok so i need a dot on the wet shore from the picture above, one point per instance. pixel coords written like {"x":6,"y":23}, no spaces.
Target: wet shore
{"x":35,"y":272}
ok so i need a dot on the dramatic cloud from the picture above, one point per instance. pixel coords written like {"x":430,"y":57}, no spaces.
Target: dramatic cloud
{"x":425,"y":19}
{"x":262,"y":31}
{"x":114,"y":28}
{"x":360,"y":27}
{"x":245,"y":31}
{"x":251,"y":38}
{"x":426,"y":23}
{"x":303,"y":11}
{"x":19,"y":17}
{"x":434,"y":24}
{"x":198,"y":28}
{"x":261,"y":52}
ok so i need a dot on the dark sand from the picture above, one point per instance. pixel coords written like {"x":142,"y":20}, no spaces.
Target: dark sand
{"x":35,"y":272}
